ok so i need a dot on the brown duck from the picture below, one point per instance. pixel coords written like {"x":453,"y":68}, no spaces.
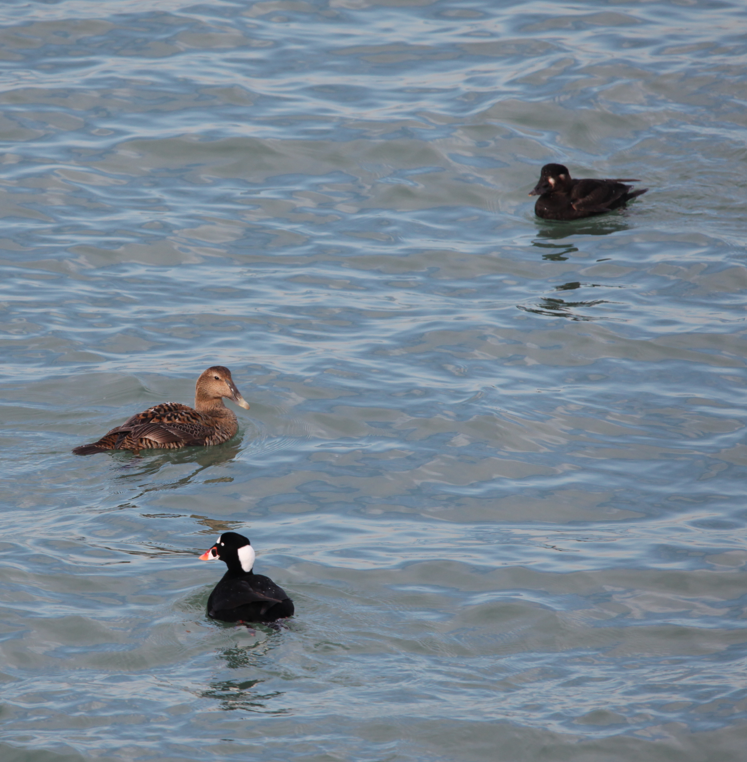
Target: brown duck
{"x":171,"y":425}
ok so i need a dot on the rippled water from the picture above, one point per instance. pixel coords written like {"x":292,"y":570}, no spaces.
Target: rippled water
{"x":498,"y":463}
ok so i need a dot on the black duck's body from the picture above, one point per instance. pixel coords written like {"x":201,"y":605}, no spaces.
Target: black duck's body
{"x":248,"y":597}
{"x":242,"y":595}
{"x":562,"y":198}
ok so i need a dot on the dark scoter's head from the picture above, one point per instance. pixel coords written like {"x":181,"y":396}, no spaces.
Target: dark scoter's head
{"x":552,"y":178}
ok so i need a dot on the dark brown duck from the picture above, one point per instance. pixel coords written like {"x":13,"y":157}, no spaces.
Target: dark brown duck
{"x":561,"y":198}
{"x":171,"y":425}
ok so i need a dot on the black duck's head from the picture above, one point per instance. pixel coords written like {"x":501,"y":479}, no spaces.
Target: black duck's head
{"x":234,"y":550}
{"x":216,"y":383}
{"x":553,"y":177}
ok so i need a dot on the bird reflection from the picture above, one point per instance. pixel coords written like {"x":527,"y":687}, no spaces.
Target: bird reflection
{"x":601,"y":225}
{"x":245,"y":694}
{"x":147,"y":464}
{"x":548,"y":232}
{"x":241,"y":694}
{"x":555,"y":252}
{"x":556,"y":307}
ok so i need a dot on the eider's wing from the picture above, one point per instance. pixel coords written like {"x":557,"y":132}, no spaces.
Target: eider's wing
{"x":167,"y":423}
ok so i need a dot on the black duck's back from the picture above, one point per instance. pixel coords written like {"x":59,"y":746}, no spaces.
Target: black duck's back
{"x":248,"y":597}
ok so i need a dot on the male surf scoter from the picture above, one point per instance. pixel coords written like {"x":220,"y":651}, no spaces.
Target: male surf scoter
{"x":171,"y":425}
{"x":242,"y":595}
{"x":561,"y":198}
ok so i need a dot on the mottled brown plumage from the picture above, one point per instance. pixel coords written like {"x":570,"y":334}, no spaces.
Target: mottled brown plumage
{"x":171,"y":425}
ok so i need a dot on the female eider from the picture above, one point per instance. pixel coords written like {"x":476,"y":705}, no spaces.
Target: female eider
{"x":171,"y":425}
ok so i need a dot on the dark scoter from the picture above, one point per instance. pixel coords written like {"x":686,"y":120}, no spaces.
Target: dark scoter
{"x":242,"y":595}
{"x":561,"y":198}
{"x":171,"y":425}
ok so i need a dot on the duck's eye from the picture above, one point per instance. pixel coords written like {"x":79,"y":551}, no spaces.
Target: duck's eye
{"x":217,"y":378}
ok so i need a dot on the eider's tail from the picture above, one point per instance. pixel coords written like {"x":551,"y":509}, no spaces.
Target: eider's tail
{"x":109,"y":441}
{"x":90,"y":449}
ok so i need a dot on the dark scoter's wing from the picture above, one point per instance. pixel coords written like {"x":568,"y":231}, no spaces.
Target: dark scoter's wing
{"x":600,"y":195}
{"x":596,"y":195}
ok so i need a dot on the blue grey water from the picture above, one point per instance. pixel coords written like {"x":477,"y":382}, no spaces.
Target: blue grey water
{"x":498,"y":463}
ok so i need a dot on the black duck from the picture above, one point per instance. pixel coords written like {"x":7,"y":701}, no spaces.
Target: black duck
{"x":242,"y":595}
{"x":561,"y":198}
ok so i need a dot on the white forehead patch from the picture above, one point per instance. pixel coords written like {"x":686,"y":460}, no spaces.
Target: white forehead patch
{"x":246,"y":556}
{"x":219,"y":541}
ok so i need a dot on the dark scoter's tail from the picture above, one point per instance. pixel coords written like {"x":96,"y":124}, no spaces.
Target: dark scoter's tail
{"x":622,"y":200}
{"x":634,"y":194}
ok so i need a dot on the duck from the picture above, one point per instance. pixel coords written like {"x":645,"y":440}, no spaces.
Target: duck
{"x":562,"y":198}
{"x":171,"y":425}
{"x":242,"y":595}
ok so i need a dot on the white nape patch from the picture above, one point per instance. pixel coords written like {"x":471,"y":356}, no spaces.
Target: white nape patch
{"x":246,"y":556}
{"x":551,"y":180}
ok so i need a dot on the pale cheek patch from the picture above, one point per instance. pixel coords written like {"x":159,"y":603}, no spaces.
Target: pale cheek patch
{"x":551,"y":181}
{"x":246,"y":556}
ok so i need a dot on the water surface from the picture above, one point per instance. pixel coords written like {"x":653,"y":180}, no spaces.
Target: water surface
{"x":497,"y":462}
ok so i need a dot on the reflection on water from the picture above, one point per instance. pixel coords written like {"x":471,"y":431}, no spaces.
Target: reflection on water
{"x":554,"y":307}
{"x":557,"y":307}
{"x":554,"y":252}
{"x":242,"y":694}
{"x":603,"y":224}
{"x":150,"y":462}
{"x":216,"y":527}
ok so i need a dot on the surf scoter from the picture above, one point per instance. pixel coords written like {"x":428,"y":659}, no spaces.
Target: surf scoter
{"x":242,"y":595}
{"x":171,"y":425}
{"x":561,"y":198}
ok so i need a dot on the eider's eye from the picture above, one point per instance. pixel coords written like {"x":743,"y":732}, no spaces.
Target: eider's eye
{"x":217,"y":378}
